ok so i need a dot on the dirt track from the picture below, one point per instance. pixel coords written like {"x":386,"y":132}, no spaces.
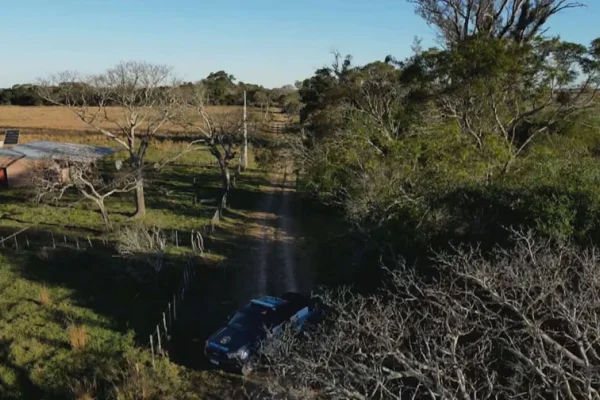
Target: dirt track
{"x":265,"y":259}
{"x":278,"y":268}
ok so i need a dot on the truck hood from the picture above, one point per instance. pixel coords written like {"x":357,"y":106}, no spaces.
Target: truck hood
{"x":229,"y":339}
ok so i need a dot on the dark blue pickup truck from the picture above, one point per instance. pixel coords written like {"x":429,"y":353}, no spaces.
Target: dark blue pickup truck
{"x":232,"y":346}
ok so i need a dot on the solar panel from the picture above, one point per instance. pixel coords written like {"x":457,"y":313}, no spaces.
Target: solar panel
{"x":11,"y":136}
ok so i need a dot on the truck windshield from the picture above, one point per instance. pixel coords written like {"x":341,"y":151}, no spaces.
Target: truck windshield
{"x":249,"y":320}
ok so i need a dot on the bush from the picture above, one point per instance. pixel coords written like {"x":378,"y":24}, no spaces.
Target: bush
{"x":140,"y":243}
{"x":521,"y":323}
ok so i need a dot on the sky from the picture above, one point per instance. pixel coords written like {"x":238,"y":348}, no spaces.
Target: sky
{"x":267,"y":42}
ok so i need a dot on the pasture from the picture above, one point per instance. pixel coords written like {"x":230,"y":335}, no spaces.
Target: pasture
{"x":74,"y":315}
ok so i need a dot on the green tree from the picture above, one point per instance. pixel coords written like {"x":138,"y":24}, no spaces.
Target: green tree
{"x":220,"y":88}
{"x":503,"y":95}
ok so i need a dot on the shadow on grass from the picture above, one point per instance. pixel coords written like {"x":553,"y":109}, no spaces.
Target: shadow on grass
{"x":124,"y":291}
{"x":21,"y":387}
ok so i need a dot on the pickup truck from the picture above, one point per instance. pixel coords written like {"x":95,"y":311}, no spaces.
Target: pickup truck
{"x":235,"y":344}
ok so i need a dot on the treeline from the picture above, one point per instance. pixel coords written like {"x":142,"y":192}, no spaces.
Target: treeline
{"x":471,"y":172}
{"x":458,"y":144}
{"x":220,"y":87}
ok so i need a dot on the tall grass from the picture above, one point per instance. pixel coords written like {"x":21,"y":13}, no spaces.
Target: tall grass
{"x":45,"y":297}
{"x":77,"y":336}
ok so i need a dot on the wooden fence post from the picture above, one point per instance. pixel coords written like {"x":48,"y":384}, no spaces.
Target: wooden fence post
{"x":16,"y":243}
{"x":165,"y":326}
{"x":53,"y":242}
{"x":152,"y":349}
{"x":158,"y":334}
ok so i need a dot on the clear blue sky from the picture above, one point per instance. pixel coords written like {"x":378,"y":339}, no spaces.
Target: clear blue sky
{"x":269,"y":42}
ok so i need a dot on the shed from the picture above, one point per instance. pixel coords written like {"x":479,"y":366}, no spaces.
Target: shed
{"x":16,"y":162}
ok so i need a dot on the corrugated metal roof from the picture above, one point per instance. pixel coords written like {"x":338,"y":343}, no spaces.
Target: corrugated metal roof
{"x":56,"y":150}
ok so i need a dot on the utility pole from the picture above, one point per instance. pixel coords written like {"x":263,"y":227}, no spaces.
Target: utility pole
{"x":245,"y":154}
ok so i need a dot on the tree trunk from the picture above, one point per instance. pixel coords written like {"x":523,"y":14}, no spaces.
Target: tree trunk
{"x":140,"y":202}
{"x":104,"y":214}
{"x":226,"y":178}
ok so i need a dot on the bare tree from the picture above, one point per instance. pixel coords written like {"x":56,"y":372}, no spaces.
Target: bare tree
{"x":51,"y":180}
{"x":519,"y":324}
{"x":521,"y":20}
{"x":222,"y":133}
{"x":128,"y":104}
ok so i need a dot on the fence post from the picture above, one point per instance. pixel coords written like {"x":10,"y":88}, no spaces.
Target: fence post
{"x":158,"y":334}
{"x":165,"y":326}
{"x":90,"y":241}
{"x":152,"y":349}
{"x":16,"y":243}
{"x":27,"y":241}
{"x":53,"y":242}
{"x":77,"y":241}
{"x":176,"y":239}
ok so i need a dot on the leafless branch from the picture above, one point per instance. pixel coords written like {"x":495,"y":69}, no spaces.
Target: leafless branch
{"x":519,"y":324}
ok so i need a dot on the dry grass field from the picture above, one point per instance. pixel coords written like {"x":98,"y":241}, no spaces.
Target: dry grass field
{"x":62,"y":118}
{"x":61,"y":124}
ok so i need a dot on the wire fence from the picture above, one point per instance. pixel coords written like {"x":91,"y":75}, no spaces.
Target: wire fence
{"x":160,"y":337}
{"x":26,"y":240}
{"x":23,"y":240}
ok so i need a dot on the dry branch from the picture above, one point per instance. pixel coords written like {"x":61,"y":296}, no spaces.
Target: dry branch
{"x":520,"y":324}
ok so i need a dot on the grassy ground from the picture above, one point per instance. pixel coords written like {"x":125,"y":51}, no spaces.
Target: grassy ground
{"x":72,"y":318}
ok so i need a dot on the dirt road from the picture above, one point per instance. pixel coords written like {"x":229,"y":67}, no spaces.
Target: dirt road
{"x":279,"y":267}
{"x":264,"y":258}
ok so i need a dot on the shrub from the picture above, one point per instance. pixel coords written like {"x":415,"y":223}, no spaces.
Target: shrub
{"x":138,"y":380}
{"x":84,"y":389}
{"x":522,"y":323}
{"x":139,"y":242}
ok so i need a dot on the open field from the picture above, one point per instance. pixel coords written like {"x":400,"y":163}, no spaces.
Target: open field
{"x":53,"y":119}
{"x":62,"y":118}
